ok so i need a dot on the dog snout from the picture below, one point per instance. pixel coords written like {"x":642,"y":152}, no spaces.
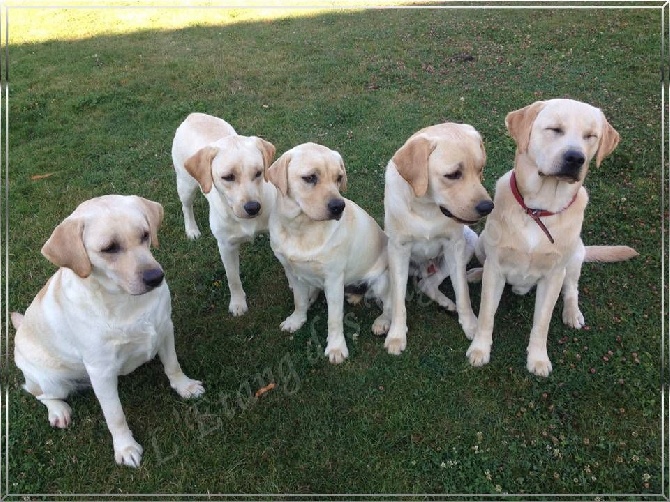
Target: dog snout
{"x":484,"y":207}
{"x":336,"y":207}
{"x":573,"y":160}
{"x":252,"y":207}
{"x":153,"y":277}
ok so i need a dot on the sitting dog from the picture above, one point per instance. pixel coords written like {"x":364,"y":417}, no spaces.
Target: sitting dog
{"x":105,"y":312}
{"x":432,"y":191}
{"x":532,"y":237}
{"x":324,"y":241}
{"x":229,"y":168}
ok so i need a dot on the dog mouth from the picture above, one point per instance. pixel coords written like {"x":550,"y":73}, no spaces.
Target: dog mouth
{"x":567,"y":178}
{"x":449,"y":214}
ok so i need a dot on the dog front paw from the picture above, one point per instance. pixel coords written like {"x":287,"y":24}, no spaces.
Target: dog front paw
{"x":573,"y":317}
{"x":469,"y":324}
{"x":193,"y":233}
{"x":187,"y":387}
{"x":478,"y":353}
{"x":337,"y":353}
{"x":381,"y":325}
{"x":128,"y":453}
{"x":396,"y":342}
{"x":293,"y":323}
{"x":60,"y":413}
{"x":538,"y":363}
{"x":238,"y":306}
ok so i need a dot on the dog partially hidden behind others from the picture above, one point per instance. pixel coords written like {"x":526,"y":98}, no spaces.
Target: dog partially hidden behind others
{"x":106,"y":311}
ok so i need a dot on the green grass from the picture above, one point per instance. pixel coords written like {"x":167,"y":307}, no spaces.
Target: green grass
{"x":97,"y":105}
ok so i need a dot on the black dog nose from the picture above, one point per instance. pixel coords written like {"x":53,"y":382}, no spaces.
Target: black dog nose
{"x":484,"y":207}
{"x":153,"y":277}
{"x":336,"y":206}
{"x":573,"y":159}
{"x":252,"y":208}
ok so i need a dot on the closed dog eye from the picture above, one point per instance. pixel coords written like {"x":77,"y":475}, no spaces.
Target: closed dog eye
{"x":456,"y":175}
{"x":112,"y":248}
{"x":311,"y":179}
{"x":228,"y":177}
{"x":555,"y":130}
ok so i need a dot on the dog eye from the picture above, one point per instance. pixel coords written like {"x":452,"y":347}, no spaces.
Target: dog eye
{"x":145,"y":237}
{"x":340,"y":178}
{"x":311,"y":179}
{"x":111,"y":249}
{"x":456,"y":175}
{"x":555,"y":130}
{"x":258,"y":174}
{"x":590,"y":136}
{"x":228,"y":177}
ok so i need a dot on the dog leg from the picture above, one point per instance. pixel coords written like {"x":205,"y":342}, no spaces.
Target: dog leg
{"x":185,"y":386}
{"x":187,"y":190}
{"x":461,"y":252}
{"x":382,"y":291}
{"x":336,"y":349}
{"x":493,"y":284}
{"x":230,"y":256}
{"x":399,"y":256}
{"x":548,"y":289}
{"x":127,"y":451}
{"x":302,"y":298}
{"x":572,"y":316}
{"x":430,"y":286}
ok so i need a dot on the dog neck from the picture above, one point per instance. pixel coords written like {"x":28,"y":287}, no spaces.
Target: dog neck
{"x":546,"y":193}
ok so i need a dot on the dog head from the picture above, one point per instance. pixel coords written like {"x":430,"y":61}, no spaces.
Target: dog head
{"x":561,"y":136}
{"x":108,"y":238}
{"x":234,"y":166}
{"x":311,"y":176}
{"x":444,"y":164}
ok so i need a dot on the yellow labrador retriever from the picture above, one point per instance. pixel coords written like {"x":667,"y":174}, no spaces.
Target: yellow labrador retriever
{"x":105,"y":312}
{"x":229,"y":168}
{"x":432,"y":191}
{"x":324,"y":241}
{"x":532,"y":237}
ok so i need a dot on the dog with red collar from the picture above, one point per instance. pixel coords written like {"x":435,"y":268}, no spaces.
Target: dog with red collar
{"x":532,"y":236}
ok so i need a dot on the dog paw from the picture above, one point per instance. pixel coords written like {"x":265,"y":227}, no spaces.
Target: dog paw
{"x":445,"y":302}
{"x":395,"y":345}
{"x":469,"y":324}
{"x":193,"y":233}
{"x":478,"y":353}
{"x":238,"y":306}
{"x":573,"y":317}
{"x":381,"y":325}
{"x":293,"y":323}
{"x":188,"y":388}
{"x":337,"y":354}
{"x":539,"y":365}
{"x":128,"y":453}
{"x":60,"y":414}
{"x":474,"y":274}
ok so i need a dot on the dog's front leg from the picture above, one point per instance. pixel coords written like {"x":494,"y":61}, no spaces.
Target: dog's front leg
{"x":399,"y":256}
{"x":230,"y":256}
{"x":336,"y":349}
{"x":493,"y":284}
{"x":548,"y":289}
{"x":127,"y":451}
{"x":303,"y":297}
{"x":457,"y":263}
{"x":572,"y":316}
{"x":185,"y":386}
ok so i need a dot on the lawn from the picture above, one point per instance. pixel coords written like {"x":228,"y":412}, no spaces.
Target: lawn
{"x":95,"y":96}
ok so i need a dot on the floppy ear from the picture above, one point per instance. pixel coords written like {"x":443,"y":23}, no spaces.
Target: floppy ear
{"x":268,"y":151}
{"x":481,"y":145}
{"x":200,"y":167}
{"x":343,"y":183}
{"x":520,"y":122}
{"x":154,"y":213}
{"x":65,"y":247}
{"x":411,"y":161}
{"x":277,"y":173}
{"x":608,"y":142}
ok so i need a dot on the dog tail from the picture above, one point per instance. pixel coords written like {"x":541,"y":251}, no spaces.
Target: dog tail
{"x":17,"y":319}
{"x":609,"y":254}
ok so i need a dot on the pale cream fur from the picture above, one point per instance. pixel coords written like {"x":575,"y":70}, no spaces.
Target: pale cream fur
{"x":105,"y":312}
{"x":229,"y":169}
{"x":432,"y":188}
{"x":515,"y":248}
{"x":322,"y":249}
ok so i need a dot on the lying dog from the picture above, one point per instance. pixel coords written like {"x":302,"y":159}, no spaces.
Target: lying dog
{"x":532,"y":237}
{"x":325,"y":242}
{"x":433,"y":189}
{"x":229,"y":168}
{"x":105,"y":312}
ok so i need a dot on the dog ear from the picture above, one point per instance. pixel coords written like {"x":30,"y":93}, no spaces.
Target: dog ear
{"x":608,"y":141}
{"x":268,"y":151}
{"x":65,"y":247}
{"x":200,"y":167}
{"x":343,"y":183}
{"x":520,"y":122}
{"x":277,"y":173}
{"x":411,"y":161}
{"x":154,"y":213}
